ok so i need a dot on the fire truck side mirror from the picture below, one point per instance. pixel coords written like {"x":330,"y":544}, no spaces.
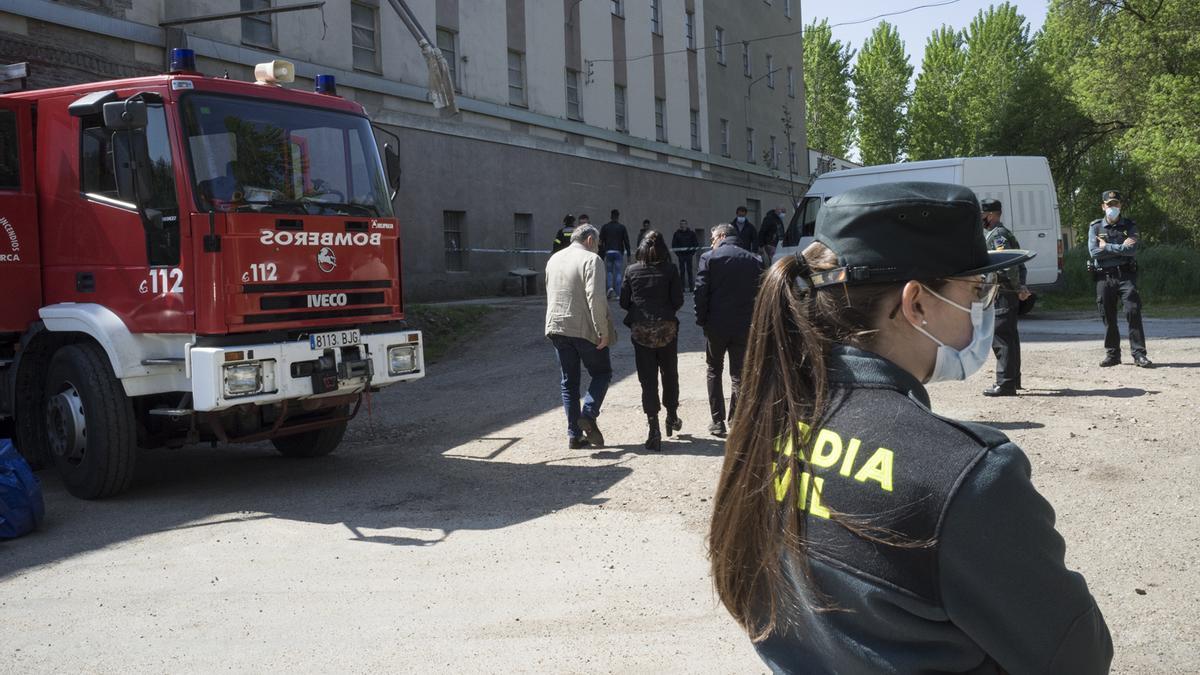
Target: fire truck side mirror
{"x":391,"y":159}
{"x":125,"y":115}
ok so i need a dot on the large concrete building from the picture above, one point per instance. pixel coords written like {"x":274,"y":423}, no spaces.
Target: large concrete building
{"x":663,"y":109}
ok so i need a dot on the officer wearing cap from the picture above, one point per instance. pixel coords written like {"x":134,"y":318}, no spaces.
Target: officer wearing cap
{"x":854,"y":529}
{"x":1113,"y":244}
{"x":1006,"y":343}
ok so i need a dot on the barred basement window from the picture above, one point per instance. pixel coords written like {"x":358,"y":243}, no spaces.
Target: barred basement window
{"x":454,"y":234}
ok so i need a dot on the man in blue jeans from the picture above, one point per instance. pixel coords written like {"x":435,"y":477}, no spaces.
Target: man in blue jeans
{"x":614,"y":246}
{"x":580,"y":328}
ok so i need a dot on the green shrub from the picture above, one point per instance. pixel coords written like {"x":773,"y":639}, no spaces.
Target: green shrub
{"x":1165,"y":274}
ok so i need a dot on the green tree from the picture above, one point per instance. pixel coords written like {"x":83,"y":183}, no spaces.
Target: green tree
{"x":881,"y":77}
{"x":998,"y":51}
{"x":934,"y":122}
{"x":829,"y":117}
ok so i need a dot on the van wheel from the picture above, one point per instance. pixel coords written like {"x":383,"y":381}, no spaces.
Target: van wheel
{"x":317,"y":443}
{"x":90,"y":429}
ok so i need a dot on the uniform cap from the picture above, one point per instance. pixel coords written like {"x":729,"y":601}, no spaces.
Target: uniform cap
{"x":1109,"y":195}
{"x":901,"y":231}
{"x":990,"y":206}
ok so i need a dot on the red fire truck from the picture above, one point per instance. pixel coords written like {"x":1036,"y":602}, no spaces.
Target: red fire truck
{"x":187,"y":259}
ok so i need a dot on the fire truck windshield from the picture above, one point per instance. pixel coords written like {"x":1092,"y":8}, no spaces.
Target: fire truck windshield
{"x":252,"y":155}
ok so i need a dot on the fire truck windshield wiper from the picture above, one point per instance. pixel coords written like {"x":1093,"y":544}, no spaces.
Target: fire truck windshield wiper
{"x":350,"y":208}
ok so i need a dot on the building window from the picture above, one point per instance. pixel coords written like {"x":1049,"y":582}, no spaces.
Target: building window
{"x":619,"y":97}
{"x":787,"y":8}
{"x":660,"y":120}
{"x":454,"y":234}
{"x":750,"y":145}
{"x":257,"y":29}
{"x":792,"y":157}
{"x":773,"y":158}
{"x":791,"y":82}
{"x":618,"y":7}
{"x":362,"y":36}
{"x":690,"y":26}
{"x":746,"y":67}
{"x":724,"y":138}
{"x":770,"y":71}
{"x":447,"y":41}
{"x":656,"y":17}
{"x":719,"y":44}
{"x":573,"y":111}
{"x":695,"y":126}
{"x":522,"y":227}
{"x":516,"y":78}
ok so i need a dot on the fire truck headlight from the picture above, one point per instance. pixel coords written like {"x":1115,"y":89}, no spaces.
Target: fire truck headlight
{"x":402,"y":359}
{"x":244,"y":379}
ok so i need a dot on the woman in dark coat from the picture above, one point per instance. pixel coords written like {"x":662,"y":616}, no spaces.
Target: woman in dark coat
{"x":652,"y":293}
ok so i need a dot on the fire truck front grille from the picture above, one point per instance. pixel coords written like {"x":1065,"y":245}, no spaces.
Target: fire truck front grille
{"x":281,"y":317}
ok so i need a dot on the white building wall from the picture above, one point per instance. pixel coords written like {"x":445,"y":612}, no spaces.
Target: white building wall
{"x":483,"y":39}
{"x":639,"y":73}
{"x":596,"y":44}
{"x":675,"y":63}
{"x":545,"y":58}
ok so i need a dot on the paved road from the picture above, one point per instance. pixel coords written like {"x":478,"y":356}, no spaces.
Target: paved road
{"x":456,"y":532}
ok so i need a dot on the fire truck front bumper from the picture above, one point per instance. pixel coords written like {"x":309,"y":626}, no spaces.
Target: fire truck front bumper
{"x":327,"y":365}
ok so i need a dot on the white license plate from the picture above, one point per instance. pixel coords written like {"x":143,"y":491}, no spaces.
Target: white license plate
{"x":334,"y":339}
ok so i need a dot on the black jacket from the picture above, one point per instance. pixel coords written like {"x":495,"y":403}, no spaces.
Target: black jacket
{"x":770,"y":230}
{"x":684,"y":242}
{"x":988,"y":592}
{"x":747,"y":236}
{"x":651,"y":292}
{"x":614,"y":237}
{"x":727,"y":280}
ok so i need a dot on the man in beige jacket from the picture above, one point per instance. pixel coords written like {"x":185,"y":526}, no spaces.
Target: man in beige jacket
{"x":579,"y":326}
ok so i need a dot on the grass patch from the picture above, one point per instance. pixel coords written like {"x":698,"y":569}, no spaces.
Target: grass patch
{"x":444,"y":327}
{"x":1168,"y":281}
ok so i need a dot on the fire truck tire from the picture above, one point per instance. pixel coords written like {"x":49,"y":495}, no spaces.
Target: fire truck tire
{"x":91,"y":433}
{"x":312,"y":443}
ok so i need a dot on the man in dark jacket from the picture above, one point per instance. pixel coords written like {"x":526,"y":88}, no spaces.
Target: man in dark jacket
{"x":726,"y":283}
{"x":685,"y":245}
{"x":614,"y":247}
{"x":744,"y":233}
{"x":770,"y":231}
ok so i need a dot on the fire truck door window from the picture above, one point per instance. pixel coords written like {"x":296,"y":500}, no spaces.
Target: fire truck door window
{"x":104,"y":160}
{"x":10,"y":158}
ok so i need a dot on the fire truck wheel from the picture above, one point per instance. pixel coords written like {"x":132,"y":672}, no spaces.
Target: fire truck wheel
{"x":90,"y":428}
{"x":312,"y":443}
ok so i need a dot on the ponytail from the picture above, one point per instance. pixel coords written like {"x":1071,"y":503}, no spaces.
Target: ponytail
{"x":785,"y":388}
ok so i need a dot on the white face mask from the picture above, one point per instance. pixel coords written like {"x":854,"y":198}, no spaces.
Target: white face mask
{"x":955,"y":364}
{"x":1112,"y":213}
{"x":741,"y":219}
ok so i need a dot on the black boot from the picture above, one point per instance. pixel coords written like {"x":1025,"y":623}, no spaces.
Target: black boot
{"x":673,"y":422}
{"x":654,"y":439}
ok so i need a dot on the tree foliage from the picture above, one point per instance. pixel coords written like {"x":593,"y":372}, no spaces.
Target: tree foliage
{"x":881,"y":77}
{"x":934,"y":121}
{"x":828,"y":111}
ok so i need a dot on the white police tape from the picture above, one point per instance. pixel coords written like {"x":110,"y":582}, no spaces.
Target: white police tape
{"x":544,"y":250}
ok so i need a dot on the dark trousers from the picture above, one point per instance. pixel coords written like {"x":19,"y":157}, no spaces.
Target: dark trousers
{"x":650,"y":362}
{"x":1108,"y":289}
{"x":715,"y":349}
{"x":572,"y":353}
{"x":1006,"y":342}
{"x":687,"y":276}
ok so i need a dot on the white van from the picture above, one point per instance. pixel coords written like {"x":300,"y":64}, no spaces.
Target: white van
{"x":1022,"y":184}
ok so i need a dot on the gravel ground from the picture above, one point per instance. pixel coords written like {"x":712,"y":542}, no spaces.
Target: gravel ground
{"x":456,"y":532}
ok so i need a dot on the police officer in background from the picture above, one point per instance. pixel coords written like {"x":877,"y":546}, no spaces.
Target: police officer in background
{"x":1006,"y":342}
{"x":1113,"y":243}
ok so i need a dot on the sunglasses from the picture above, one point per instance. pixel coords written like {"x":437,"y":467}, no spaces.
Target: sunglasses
{"x":986,"y":286}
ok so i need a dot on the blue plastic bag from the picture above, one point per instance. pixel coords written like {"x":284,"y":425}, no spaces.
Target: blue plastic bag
{"x":21,"y":505}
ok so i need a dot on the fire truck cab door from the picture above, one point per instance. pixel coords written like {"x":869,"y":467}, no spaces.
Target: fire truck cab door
{"x":20,"y":269}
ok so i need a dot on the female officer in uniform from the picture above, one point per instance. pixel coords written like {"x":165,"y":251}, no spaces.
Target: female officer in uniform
{"x":855,"y":530}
